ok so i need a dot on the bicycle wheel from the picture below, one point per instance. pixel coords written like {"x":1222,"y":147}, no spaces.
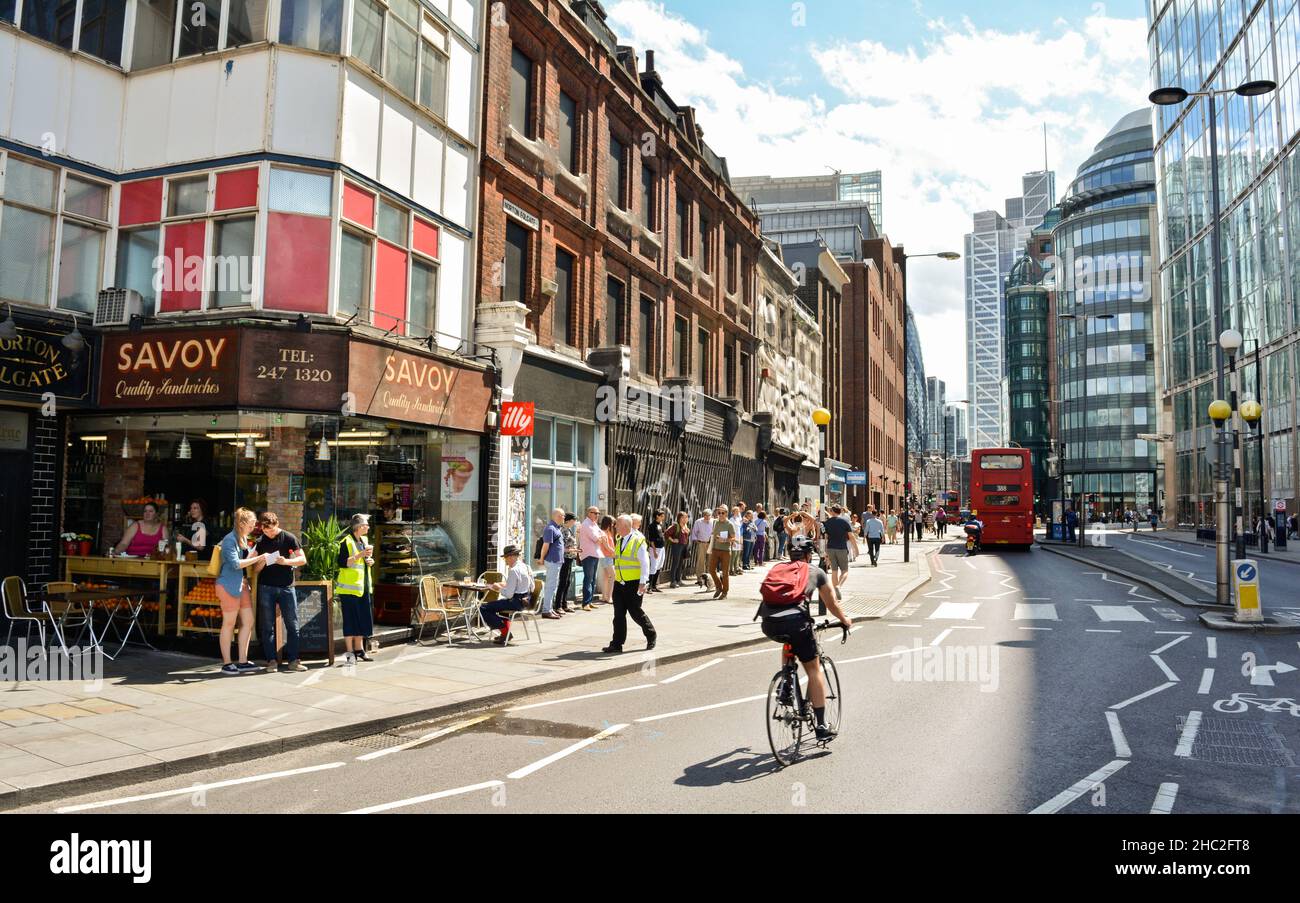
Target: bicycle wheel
{"x":834,"y":700}
{"x":784,"y":723}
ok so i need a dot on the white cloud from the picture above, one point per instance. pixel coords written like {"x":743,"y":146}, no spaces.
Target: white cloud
{"x":953,"y":121}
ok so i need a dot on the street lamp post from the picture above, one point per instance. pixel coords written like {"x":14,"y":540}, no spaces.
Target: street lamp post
{"x":1083,"y":458}
{"x":1173,"y":96}
{"x":948,"y":256}
{"x":1230,"y":342}
{"x":822,"y":418}
{"x":1252,"y":412}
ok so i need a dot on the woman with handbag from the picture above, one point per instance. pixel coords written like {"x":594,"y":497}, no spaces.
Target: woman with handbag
{"x":232,"y":558}
{"x":354,"y":587}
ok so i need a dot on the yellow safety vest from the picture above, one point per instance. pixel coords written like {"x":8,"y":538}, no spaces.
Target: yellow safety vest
{"x":627,"y":567}
{"x":352,"y":581}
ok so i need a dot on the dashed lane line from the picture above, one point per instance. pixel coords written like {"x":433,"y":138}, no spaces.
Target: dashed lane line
{"x":538,"y":705}
{"x":1165,"y":797}
{"x":1211,"y":647}
{"x":696,"y":670}
{"x":1065,"y":797}
{"x":567,"y":751}
{"x":703,"y":708}
{"x":198,"y":788}
{"x":941,"y":637}
{"x":1141,"y":696}
{"x":1191,"y":727}
{"x":1207,"y":681}
{"x":378,"y":754}
{"x":1117,"y":737}
{"x":428,"y":797}
{"x":1168,"y":646}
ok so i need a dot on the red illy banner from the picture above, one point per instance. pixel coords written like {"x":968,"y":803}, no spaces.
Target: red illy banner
{"x":517,"y":418}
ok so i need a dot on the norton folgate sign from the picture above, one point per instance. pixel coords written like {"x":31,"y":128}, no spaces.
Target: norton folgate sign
{"x":35,"y":361}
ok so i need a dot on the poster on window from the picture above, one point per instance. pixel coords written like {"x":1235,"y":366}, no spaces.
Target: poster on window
{"x":460,"y":475}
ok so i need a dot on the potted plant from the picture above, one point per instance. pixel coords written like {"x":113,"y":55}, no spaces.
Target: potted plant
{"x":321,"y":540}
{"x":70,"y":543}
{"x":83,"y":543}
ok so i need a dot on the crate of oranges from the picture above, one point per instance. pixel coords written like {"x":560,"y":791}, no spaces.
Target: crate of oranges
{"x":134,"y":508}
{"x":205,"y":591}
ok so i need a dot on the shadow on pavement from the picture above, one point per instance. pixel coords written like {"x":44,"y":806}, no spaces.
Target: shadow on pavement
{"x":736,"y":767}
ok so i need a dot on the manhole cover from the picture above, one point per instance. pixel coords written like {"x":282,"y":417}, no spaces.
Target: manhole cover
{"x":1237,"y":742}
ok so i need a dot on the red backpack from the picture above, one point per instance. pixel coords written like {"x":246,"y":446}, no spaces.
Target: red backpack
{"x":784,"y":584}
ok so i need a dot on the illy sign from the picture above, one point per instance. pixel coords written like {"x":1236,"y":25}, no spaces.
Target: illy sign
{"x":517,"y":418}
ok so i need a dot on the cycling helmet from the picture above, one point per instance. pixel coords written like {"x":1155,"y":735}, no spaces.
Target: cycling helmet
{"x":800,"y":544}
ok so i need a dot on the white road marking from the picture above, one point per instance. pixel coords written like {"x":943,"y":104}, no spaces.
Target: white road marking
{"x":1207,"y":680}
{"x":869,"y":658}
{"x":1038,"y":628}
{"x":567,"y":751}
{"x":941,"y":637}
{"x":1191,"y":728}
{"x":1122,"y":749}
{"x":938,"y":595}
{"x":706,"y":708}
{"x":1168,"y":646}
{"x":955,"y":611}
{"x":1165,"y":668}
{"x":1165,"y":797}
{"x":905,"y":625}
{"x":1037,"y":599}
{"x":1141,"y":696}
{"x":1165,"y":547}
{"x":198,"y":788}
{"x":1098,"y":601}
{"x":1037,"y":612}
{"x":1119,"y":613}
{"x":1094,"y":630}
{"x":1173,"y":633}
{"x":696,"y":670}
{"x":1212,"y":647}
{"x":378,"y":754}
{"x":416,"y":800}
{"x":1065,"y":797}
{"x":968,"y":564}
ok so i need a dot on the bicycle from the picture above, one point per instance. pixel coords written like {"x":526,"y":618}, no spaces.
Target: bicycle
{"x":788,"y":712}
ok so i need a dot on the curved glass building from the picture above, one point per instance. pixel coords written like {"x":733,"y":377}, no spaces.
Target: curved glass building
{"x":1106,"y":353}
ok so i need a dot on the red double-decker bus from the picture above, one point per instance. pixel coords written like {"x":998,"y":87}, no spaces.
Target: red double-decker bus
{"x":1002,"y":495}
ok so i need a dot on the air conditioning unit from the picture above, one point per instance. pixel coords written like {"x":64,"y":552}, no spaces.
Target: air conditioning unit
{"x":116,"y":306}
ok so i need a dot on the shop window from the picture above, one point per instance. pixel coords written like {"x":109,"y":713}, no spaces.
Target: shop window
{"x":187,"y":197}
{"x":298,"y":241}
{"x":563,"y":303}
{"x":648,"y":196}
{"x":521,"y":93}
{"x":50,"y":20}
{"x":368,"y":33}
{"x":232,"y":269}
{"x":393,"y":223}
{"x":542,"y":439}
{"x":424,"y":298}
{"x":202,"y":21}
{"x":354,"y":275}
{"x":516,"y":263}
{"x":7,"y":8}
{"x":140,"y":203}
{"x":314,"y":24}
{"x":137,"y":249}
{"x":433,"y":68}
{"x":613,"y":312}
{"x":645,"y":347}
{"x":563,"y":442}
{"x":615,"y":178}
{"x":569,"y":132}
{"x":681,"y":346}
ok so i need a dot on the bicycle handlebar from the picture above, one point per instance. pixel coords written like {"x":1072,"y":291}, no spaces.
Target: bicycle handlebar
{"x":828,"y":625}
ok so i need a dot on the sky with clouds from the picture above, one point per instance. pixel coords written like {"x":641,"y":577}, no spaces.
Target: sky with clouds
{"x":948,"y":99}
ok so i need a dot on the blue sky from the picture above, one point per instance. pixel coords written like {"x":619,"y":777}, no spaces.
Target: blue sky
{"x":949,"y":99}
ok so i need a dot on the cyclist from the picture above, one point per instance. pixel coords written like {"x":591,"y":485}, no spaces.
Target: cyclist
{"x":793,"y":624}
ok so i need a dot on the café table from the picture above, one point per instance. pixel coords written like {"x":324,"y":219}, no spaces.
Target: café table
{"x":471,"y":597}
{"x":124,"y":601}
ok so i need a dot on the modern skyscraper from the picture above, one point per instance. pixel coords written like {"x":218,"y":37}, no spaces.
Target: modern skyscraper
{"x":992,"y":248}
{"x":1259,"y":168}
{"x":795,"y":191}
{"x":1106,"y":367}
{"x":918,"y":407}
{"x":936,"y":398}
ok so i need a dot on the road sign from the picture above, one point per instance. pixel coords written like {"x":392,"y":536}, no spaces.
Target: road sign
{"x":1245,"y":586}
{"x":857,"y":478}
{"x":1279,"y":507}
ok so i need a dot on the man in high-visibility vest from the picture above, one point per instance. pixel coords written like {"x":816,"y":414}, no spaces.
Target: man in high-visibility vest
{"x":631,"y":574}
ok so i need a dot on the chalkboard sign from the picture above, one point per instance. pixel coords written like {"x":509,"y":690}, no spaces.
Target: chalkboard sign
{"x":315,"y":623}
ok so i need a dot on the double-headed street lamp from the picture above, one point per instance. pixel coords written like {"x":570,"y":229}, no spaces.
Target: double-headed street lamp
{"x":1173,"y":96}
{"x":949,"y":256}
{"x":1083,"y":458}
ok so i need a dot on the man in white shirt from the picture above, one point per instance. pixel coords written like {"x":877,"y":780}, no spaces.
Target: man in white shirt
{"x":737,"y":542}
{"x":874,"y":530}
{"x":701,"y":536}
{"x":515,"y":593}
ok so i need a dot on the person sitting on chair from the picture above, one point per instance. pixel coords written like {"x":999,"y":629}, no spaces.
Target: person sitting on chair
{"x":515,"y":593}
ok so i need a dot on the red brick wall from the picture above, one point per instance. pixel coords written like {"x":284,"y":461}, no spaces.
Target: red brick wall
{"x":123,"y":479}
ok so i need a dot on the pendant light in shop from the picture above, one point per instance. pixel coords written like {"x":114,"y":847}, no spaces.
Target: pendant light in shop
{"x":9,"y":328}
{"x":250,"y":451}
{"x":126,"y":441}
{"x":322,"y":449}
{"x":183,"y":451}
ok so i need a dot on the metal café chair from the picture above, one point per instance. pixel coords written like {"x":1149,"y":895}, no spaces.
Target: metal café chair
{"x":532,"y":613}
{"x":70,"y":614}
{"x":14,"y":591}
{"x":434,"y":607}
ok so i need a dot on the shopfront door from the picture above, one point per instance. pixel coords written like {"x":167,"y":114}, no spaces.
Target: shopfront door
{"x":15,"y":506}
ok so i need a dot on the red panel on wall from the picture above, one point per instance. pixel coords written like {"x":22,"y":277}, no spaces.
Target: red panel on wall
{"x":237,"y":189}
{"x":426,"y":238}
{"x":141,"y":202}
{"x":390,"y":289}
{"x":297,"y":263}
{"x":358,"y":205}
{"x":184,"y":263}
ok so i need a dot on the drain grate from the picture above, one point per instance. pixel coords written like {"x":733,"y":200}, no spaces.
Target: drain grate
{"x":1236,"y":742}
{"x":377,"y":741}
{"x":864,"y":607}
